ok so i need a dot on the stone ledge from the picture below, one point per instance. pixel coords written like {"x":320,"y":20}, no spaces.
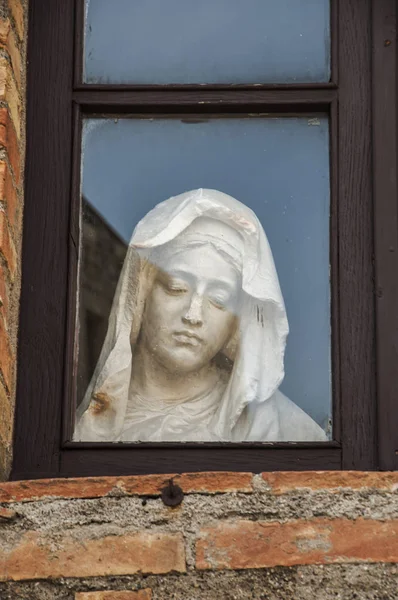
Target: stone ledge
{"x":275,"y":483}
{"x":283,"y":482}
{"x":135,"y":485}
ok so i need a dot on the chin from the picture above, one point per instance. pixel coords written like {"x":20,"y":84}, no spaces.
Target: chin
{"x":183,"y":360}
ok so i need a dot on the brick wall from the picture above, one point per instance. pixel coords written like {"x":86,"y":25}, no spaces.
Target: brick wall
{"x":234,"y":535}
{"x":12,"y":126}
{"x":270,"y":536}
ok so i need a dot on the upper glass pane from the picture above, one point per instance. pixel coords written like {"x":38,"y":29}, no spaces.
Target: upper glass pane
{"x":211,"y":41}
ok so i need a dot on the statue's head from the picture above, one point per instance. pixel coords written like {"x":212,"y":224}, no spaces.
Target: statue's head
{"x":191,"y":311}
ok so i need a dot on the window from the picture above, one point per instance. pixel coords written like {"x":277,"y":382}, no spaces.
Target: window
{"x":109,"y":119}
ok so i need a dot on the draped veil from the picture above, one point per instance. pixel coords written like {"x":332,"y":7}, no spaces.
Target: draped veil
{"x":258,"y":362}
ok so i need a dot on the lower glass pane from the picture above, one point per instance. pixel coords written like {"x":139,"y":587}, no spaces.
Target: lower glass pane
{"x":194,"y":349}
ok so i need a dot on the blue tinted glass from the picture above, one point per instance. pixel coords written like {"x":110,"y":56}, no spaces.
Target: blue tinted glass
{"x":277,"y":166}
{"x":211,"y":41}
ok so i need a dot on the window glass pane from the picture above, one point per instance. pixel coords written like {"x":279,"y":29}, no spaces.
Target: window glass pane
{"x":279,"y":168}
{"x":211,"y":41}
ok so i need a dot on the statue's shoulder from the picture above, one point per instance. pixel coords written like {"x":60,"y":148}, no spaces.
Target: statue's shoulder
{"x":295,"y":424}
{"x":278,"y":419}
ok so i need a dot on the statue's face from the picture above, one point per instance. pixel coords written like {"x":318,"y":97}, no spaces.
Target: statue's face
{"x":190,"y":313}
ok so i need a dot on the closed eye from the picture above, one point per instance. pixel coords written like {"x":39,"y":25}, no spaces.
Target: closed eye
{"x":173,"y":285}
{"x":176,"y":289}
{"x":221,"y":300}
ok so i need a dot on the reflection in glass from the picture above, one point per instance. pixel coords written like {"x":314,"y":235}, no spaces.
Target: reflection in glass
{"x":279,"y":166}
{"x":211,"y":41}
{"x":102,"y":255}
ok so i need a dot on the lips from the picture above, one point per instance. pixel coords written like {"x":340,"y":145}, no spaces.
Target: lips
{"x":187,"y":337}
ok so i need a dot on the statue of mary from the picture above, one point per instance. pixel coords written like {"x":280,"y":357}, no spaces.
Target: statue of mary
{"x":196,"y":336}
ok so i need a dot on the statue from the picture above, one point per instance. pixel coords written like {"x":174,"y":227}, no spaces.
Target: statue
{"x":197,"y":333}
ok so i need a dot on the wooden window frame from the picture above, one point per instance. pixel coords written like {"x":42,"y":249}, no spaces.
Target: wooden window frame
{"x":361,"y":101}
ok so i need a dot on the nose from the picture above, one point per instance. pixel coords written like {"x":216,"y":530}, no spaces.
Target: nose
{"x":194,"y":314}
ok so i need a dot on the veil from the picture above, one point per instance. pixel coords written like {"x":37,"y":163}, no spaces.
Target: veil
{"x":258,"y":368}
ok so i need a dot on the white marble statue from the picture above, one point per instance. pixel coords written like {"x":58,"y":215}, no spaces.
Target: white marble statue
{"x":197,"y":332}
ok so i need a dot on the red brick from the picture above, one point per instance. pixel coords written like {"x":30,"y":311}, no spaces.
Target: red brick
{"x":8,"y":139}
{"x":3,"y":296}
{"x":6,"y":417}
{"x":7,"y":247}
{"x":9,"y":93}
{"x":4,"y":31}
{"x":8,"y":41}
{"x":17,"y":12}
{"x":3,"y":173}
{"x":10,"y":198}
{"x":6,"y":356}
{"x":261,"y":544}
{"x":15,"y":56}
{"x":111,"y":595}
{"x":142,"y":485}
{"x":7,"y":515}
{"x":35,"y":557}
{"x":215,"y":482}
{"x":290,"y":481}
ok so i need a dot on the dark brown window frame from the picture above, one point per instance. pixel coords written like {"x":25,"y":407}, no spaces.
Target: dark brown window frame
{"x":361,"y":100}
